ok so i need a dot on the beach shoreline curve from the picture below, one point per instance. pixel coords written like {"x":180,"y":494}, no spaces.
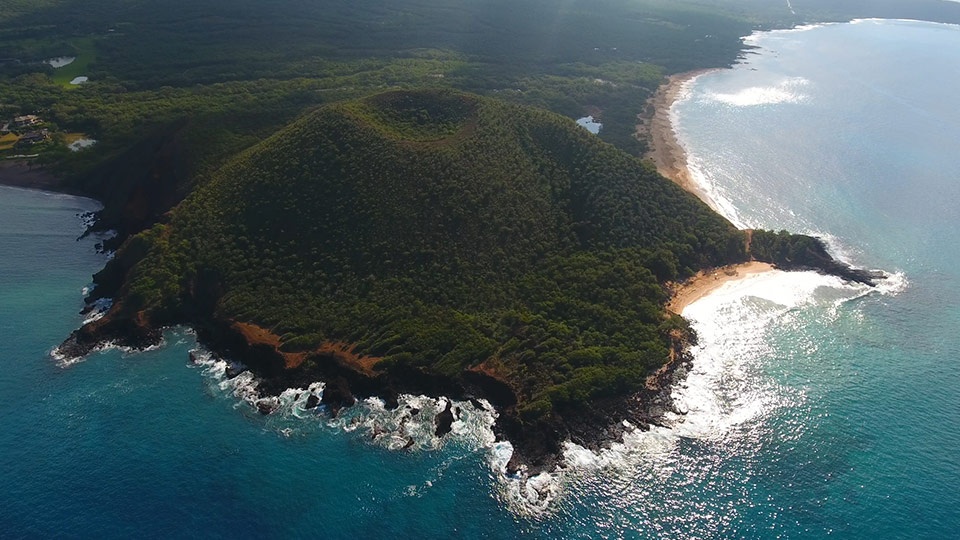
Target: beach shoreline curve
{"x":666,"y":152}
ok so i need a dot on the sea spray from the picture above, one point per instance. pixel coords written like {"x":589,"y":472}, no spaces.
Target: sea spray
{"x":409,"y":426}
{"x":65,"y":360}
{"x":725,"y":395}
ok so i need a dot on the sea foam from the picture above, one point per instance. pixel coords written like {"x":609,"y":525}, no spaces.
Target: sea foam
{"x":716,"y":197}
{"x":765,"y":35}
{"x":410,"y":426}
{"x":724,"y":390}
{"x":98,"y":309}
{"x":64,"y":360}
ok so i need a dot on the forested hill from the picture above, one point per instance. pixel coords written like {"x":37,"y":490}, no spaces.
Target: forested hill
{"x":419,"y":240}
{"x":436,"y":233}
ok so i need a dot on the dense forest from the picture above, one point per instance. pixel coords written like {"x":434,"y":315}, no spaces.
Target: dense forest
{"x":439,"y":231}
{"x":175,"y":88}
{"x":153,"y":64}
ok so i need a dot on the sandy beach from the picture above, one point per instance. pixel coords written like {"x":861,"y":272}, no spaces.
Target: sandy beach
{"x":668,"y":155}
{"x":24,"y":174}
{"x":666,"y":152}
{"x":705,"y":282}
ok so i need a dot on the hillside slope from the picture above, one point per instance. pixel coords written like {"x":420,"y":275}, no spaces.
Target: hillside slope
{"x":428,"y":241}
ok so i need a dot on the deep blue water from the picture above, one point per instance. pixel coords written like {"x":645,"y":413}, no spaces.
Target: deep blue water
{"x":815,"y":408}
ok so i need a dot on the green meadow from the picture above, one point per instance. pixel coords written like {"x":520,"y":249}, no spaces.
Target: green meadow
{"x":86,"y":53}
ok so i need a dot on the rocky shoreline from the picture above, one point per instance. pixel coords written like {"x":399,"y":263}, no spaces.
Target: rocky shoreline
{"x":537,"y":448}
{"x":348,"y":378}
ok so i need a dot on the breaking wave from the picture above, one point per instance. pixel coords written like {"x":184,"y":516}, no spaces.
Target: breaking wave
{"x":98,"y":309}
{"x":716,"y":196}
{"x":64,"y":360}
{"x":725,"y":390}
{"x":408,"y":427}
{"x":756,"y":36}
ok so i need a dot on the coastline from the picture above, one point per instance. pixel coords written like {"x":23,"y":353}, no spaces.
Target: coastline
{"x":666,"y":152}
{"x":23,"y":174}
{"x":705,"y":282}
{"x":670,"y":159}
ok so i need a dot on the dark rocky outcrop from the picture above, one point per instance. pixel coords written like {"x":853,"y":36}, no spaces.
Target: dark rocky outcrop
{"x":267,"y":405}
{"x":798,"y":252}
{"x":337,"y":395}
{"x":139,"y":185}
{"x":537,"y":445}
{"x":134,"y":332}
{"x":443,"y":421}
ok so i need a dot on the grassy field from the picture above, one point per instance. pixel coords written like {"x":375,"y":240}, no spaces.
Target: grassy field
{"x":86,"y":53}
{"x":7,"y":141}
{"x":72,"y":137}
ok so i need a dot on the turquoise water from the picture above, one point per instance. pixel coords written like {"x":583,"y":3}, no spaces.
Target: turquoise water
{"x":851,"y":132}
{"x":814,"y":409}
{"x":124,"y":445}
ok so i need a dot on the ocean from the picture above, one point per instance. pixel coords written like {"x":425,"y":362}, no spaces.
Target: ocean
{"x":814,"y":408}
